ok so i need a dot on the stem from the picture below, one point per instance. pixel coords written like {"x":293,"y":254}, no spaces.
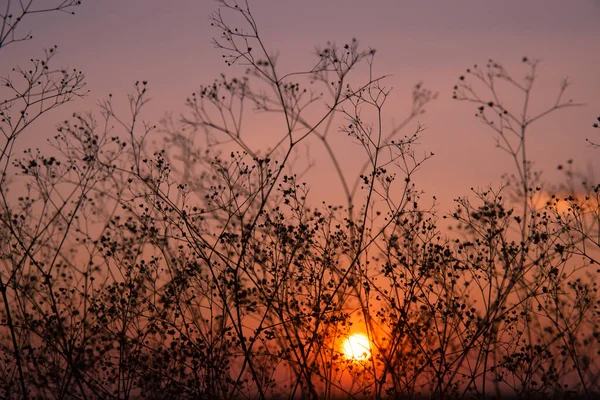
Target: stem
{"x":13,"y":337}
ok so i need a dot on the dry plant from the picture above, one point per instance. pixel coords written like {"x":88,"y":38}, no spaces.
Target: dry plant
{"x":202,"y":268}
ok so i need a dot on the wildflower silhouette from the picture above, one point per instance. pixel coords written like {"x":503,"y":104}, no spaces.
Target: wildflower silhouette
{"x":186,"y":261}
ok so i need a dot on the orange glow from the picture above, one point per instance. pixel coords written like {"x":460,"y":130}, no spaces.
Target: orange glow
{"x":357,"y":347}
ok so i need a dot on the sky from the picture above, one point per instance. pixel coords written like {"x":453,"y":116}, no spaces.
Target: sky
{"x":169,"y":43}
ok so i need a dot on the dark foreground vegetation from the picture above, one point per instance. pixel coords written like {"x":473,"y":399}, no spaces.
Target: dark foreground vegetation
{"x":200,"y":268}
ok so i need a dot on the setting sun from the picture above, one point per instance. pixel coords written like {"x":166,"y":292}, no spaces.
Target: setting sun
{"x":357,"y":347}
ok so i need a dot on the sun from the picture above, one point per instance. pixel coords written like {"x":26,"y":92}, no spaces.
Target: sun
{"x":357,"y":347}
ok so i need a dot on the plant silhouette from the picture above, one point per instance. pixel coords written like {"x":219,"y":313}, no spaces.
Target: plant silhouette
{"x":203,"y":268}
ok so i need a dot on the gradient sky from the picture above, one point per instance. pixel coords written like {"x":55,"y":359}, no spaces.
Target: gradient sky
{"x":168,"y":43}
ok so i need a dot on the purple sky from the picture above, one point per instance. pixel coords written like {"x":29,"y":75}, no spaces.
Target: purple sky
{"x":168,"y":43}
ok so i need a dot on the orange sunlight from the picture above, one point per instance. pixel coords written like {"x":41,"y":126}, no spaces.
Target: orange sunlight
{"x":356,"y":347}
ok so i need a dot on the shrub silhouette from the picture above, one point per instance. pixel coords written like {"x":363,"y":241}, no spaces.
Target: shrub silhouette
{"x":203,"y":269}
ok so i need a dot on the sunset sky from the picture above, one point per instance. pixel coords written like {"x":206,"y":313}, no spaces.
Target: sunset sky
{"x":168,"y":43}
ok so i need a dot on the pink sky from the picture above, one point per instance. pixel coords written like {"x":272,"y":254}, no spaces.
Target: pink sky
{"x":117,"y":42}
